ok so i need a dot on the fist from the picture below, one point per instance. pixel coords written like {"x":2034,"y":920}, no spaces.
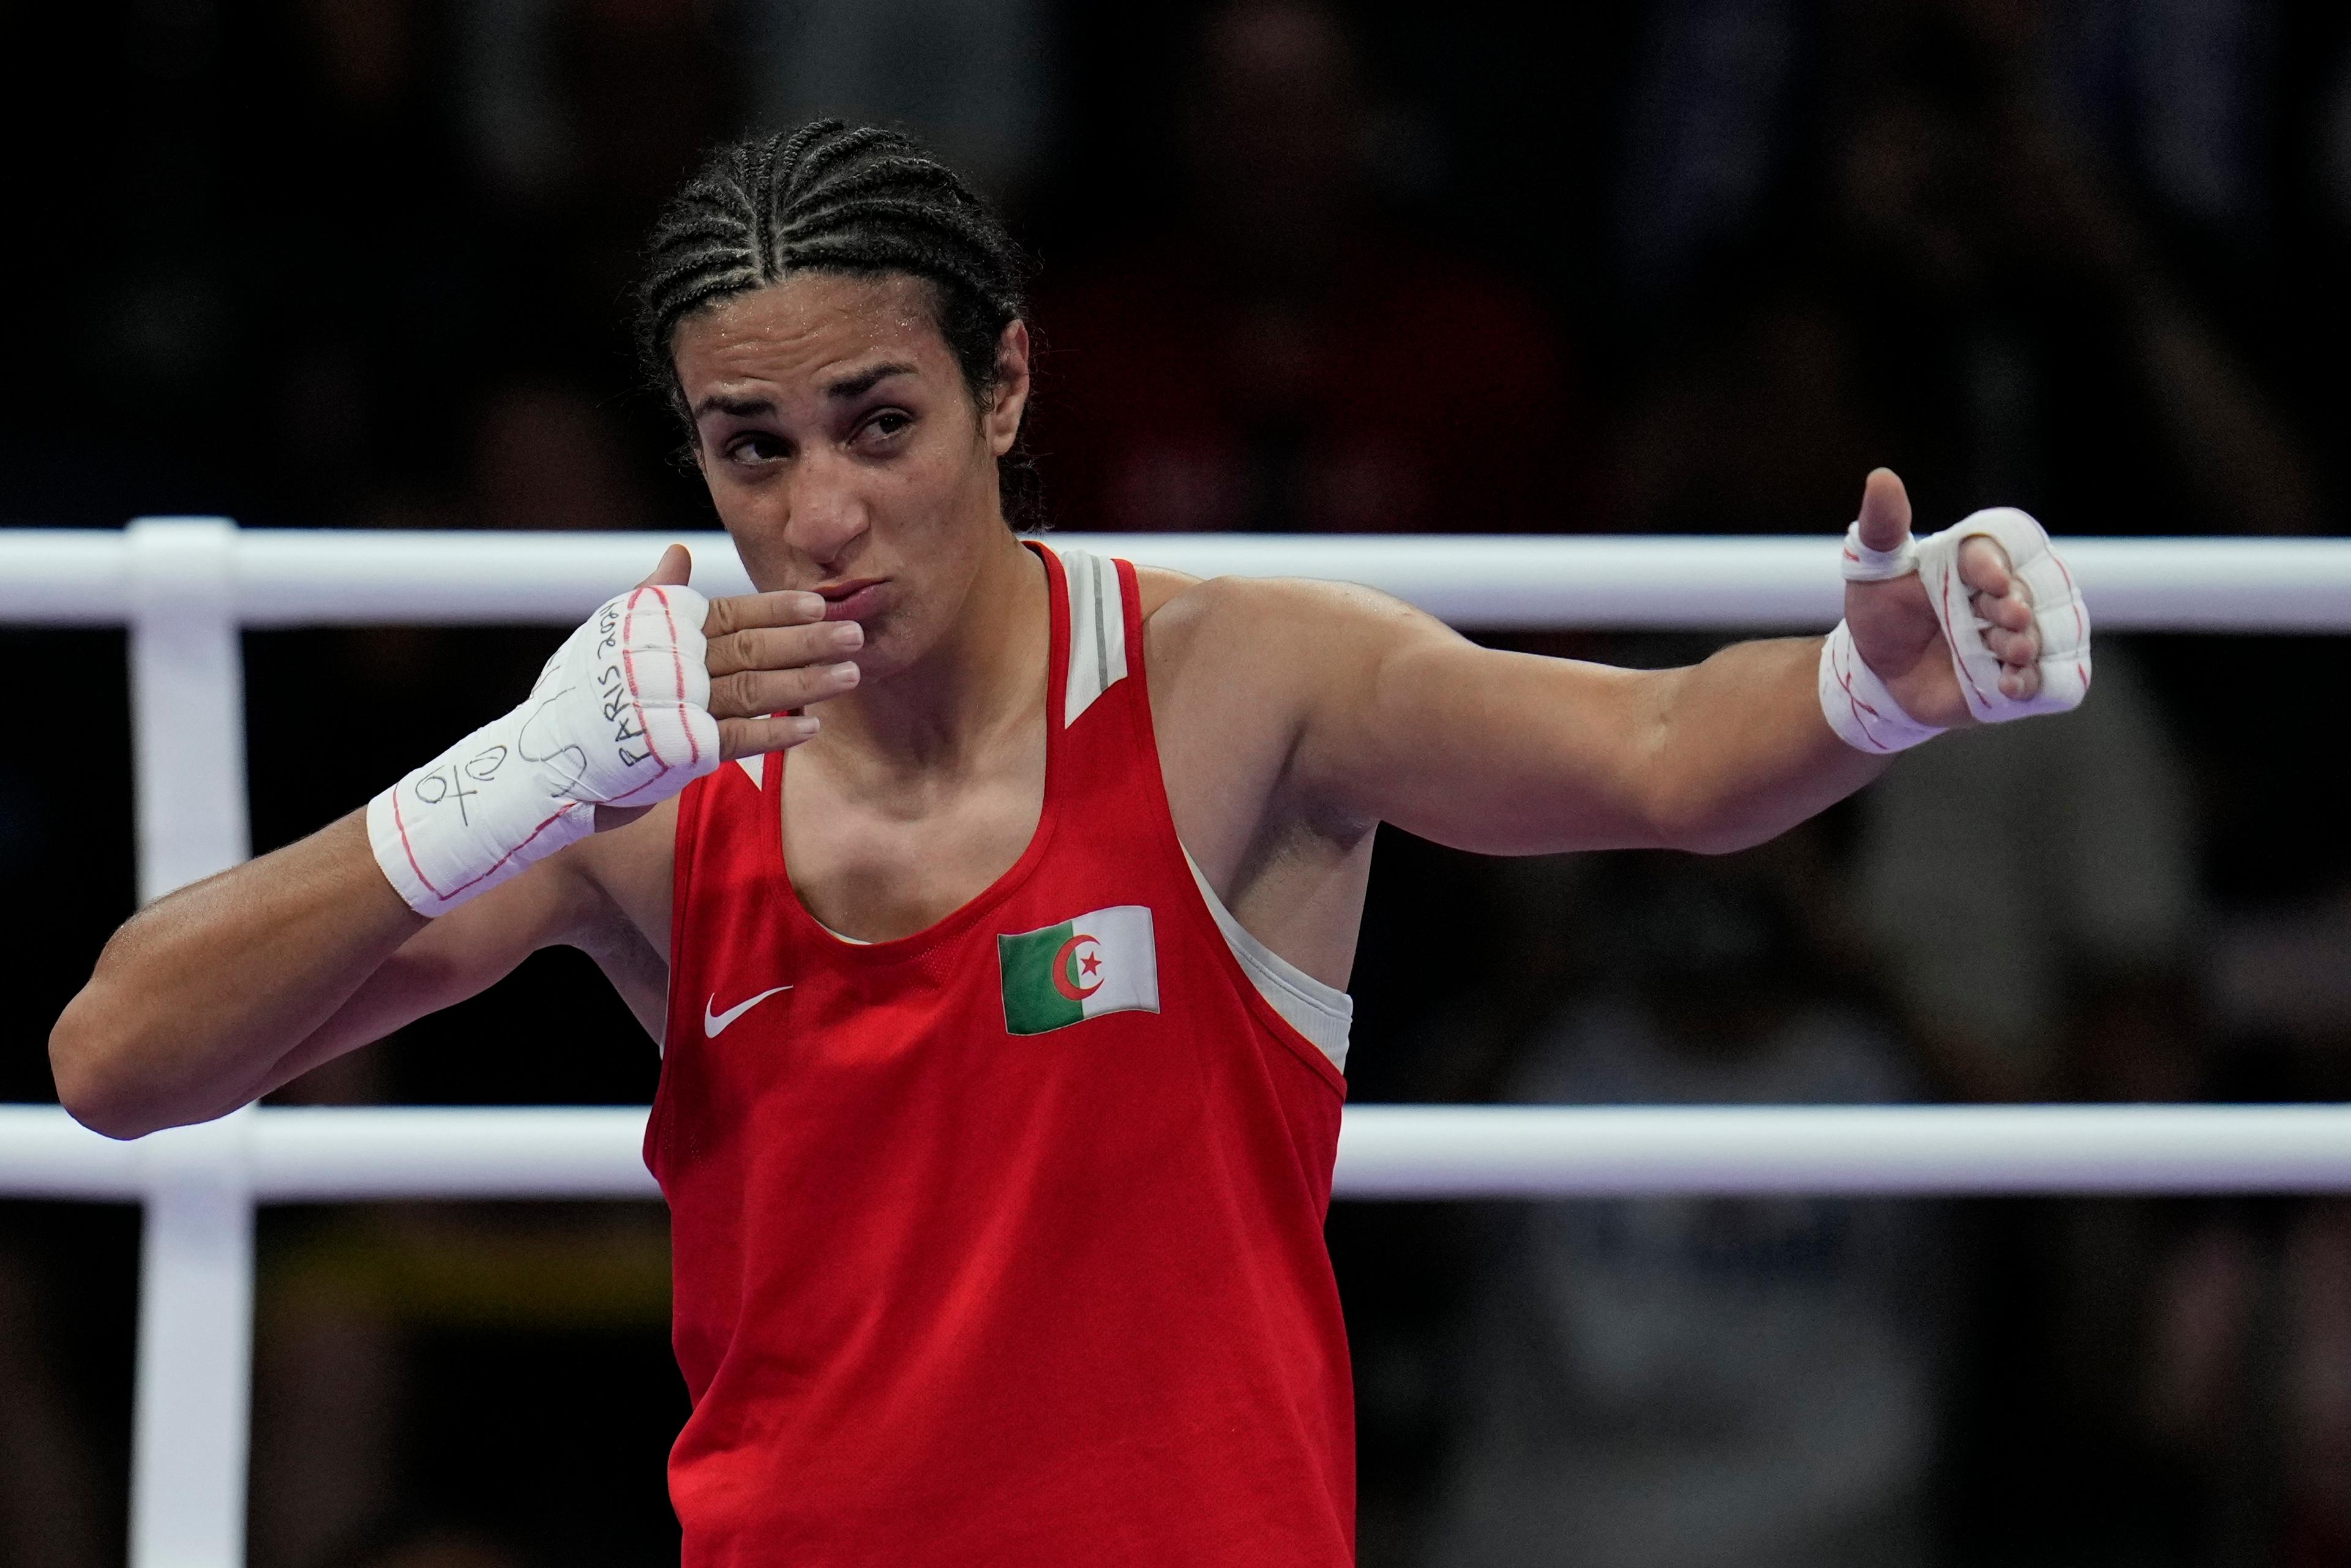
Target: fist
{"x":1895,"y":631}
{"x":761,"y":658}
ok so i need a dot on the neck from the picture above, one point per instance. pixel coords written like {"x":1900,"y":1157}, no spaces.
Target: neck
{"x":980,"y":679}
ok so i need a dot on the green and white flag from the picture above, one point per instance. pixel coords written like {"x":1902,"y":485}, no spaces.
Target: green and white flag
{"x":1105,"y":962}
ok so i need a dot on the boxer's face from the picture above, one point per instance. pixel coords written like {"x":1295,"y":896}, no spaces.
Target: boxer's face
{"x":844,"y":453}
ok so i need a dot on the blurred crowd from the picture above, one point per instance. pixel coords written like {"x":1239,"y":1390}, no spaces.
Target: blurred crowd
{"x":1682,"y":265}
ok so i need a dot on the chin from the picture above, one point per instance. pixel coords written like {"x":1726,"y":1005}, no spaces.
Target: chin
{"x":889,"y":648}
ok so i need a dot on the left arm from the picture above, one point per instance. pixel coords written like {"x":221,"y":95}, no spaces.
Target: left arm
{"x":1402,"y":720}
{"x":1516,"y":754}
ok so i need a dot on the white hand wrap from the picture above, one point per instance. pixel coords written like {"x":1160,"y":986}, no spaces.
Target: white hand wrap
{"x":1859,"y":707}
{"x":1864,"y":713}
{"x":618,"y":717}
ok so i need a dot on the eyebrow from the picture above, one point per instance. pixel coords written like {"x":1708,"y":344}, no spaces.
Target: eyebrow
{"x":740,"y":407}
{"x":863,"y":382}
{"x":847,"y":390}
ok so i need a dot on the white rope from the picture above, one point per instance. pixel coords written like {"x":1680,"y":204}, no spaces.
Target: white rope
{"x":1385,"y":1151}
{"x":315,"y":577}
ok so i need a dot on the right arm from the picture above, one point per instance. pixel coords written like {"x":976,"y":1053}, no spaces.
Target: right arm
{"x":226,"y":989}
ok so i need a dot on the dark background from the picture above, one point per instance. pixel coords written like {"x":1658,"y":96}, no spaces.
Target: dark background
{"x":1688,"y":266}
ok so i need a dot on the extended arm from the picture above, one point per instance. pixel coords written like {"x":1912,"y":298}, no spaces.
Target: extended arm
{"x":1513,"y":753}
{"x":1402,"y":721}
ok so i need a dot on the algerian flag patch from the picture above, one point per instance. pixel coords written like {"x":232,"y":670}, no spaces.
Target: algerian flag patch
{"x":1105,"y":962}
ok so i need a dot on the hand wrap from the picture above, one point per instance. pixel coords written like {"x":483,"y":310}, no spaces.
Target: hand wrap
{"x":1858,"y":703}
{"x":618,"y":717}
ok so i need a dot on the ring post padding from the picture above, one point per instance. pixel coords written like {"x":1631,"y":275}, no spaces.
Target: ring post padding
{"x":190,"y":1420}
{"x":191,"y":1409}
{"x":187,"y":701}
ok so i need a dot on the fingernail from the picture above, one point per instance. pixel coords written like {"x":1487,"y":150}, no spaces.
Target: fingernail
{"x":844,"y":674}
{"x":803,"y":728}
{"x":809,"y":604}
{"x":849,"y":634}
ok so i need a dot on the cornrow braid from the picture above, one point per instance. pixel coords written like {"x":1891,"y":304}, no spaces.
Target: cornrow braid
{"x":830,"y":197}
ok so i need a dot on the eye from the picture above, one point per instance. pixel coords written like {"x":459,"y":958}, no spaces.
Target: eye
{"x":885,"y":425}
{"x":755,"y":446}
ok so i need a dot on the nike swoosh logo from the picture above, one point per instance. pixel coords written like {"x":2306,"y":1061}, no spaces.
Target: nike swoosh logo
{"x":713,"y":1023}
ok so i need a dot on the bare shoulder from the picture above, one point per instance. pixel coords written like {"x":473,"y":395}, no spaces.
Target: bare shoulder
{"x":1159,"y":585}
{"x":1292,"y":634}
{"x":1245,"y":671}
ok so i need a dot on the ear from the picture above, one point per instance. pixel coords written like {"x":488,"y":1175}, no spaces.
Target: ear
{"x":1011,"y":396}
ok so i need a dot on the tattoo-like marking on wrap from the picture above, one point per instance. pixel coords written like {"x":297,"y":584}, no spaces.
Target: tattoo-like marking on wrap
{"x":573,"y":758}
{"x":443,"y":785}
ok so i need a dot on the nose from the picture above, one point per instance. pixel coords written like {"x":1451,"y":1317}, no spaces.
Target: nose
{"x":828,"y":513}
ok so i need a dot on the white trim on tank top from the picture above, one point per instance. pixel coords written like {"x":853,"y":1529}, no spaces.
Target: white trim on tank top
{"x":1097,"y":629}
{"x":1323,"y":1014}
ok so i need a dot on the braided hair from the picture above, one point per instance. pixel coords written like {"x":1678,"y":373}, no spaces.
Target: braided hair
{"x":830,"y":197}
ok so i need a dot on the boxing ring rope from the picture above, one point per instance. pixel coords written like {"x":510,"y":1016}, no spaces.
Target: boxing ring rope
{"x":317,"y":576}
{"x":318,"y":1154}
{"x":187,"y":588}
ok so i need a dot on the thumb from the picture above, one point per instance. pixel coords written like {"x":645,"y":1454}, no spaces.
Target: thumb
{"x":1885,"y":511}
{"x":676,"y":566}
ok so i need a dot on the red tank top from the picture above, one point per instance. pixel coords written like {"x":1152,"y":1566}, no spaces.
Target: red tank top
{"x":1000,"y":1243}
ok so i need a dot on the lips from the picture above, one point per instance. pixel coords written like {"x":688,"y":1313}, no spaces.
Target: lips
{"x":853,"y":599}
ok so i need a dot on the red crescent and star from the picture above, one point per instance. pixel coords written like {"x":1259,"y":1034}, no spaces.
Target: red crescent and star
{"x":1079,"y":989}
